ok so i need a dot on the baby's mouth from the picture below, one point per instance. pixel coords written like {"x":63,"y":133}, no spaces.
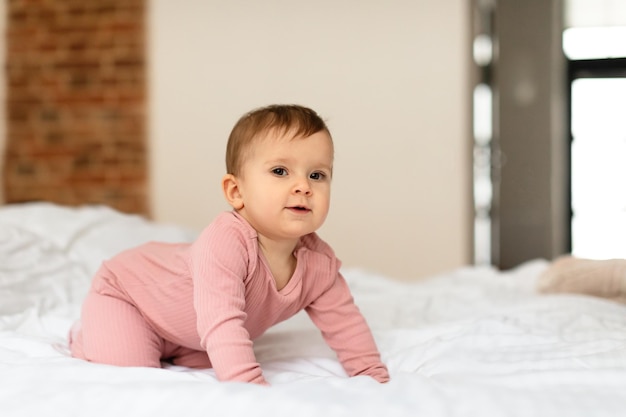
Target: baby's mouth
{"x":300,"y":209}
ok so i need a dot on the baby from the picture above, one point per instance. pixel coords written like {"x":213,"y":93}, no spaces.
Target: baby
{"x":202,"y":304}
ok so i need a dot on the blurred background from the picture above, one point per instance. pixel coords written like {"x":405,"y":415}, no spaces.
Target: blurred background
{"x":484,"y":132}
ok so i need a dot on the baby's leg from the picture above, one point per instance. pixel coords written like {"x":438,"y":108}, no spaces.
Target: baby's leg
{"x":602,"y":278}
{"x":182,"y":356}
{"x":113,"y":332}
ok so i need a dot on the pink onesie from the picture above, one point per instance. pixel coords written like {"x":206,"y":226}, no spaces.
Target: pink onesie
{"x":201,"y":304}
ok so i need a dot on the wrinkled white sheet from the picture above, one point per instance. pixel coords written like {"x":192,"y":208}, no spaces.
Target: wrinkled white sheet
{"x":472,"y":342}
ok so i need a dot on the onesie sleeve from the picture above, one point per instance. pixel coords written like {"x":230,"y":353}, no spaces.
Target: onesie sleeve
{"x":345,"y":330}
{"x":219,"y":262}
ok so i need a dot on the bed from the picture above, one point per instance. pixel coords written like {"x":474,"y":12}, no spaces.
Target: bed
{"x":470,"y":342}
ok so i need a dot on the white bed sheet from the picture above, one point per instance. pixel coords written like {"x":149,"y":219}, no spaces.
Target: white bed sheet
{"x":471,"y":342}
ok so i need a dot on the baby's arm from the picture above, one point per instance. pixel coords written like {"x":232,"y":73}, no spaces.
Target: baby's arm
{"x":222,"y":333}
{"x":345,"y":330}
{"x":219,"y":266}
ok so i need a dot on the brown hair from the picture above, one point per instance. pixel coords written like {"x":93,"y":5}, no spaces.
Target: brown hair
{"x":297,"y":120}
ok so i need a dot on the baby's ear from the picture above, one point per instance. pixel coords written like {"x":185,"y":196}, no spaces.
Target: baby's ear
{"x":230,"y":186}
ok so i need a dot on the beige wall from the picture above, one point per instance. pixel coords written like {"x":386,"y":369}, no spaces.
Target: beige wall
{"x":3,"y":127}
{"x":390,"y":78}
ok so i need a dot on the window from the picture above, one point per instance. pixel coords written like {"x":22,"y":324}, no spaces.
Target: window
{"x":593,"y":42}
{"x":598,"y":159}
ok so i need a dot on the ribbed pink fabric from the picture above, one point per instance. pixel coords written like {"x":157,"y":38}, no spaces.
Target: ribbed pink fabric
{"x":216,"y":295}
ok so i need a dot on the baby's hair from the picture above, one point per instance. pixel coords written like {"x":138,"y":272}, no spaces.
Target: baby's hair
{"x":296,"y":120}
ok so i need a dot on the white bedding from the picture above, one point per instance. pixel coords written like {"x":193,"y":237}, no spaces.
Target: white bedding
{"x":472,"y":342}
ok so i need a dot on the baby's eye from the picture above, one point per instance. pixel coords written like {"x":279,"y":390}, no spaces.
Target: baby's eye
{"x":317,"y":176}
{"x":279,"y":171}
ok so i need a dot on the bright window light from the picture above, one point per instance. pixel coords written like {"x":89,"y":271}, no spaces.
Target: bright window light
{"x":483,"y":118}
{"x":598,"y":168}
{"x":595,"y":42}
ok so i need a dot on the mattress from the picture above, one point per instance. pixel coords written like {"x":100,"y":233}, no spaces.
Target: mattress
{"x":473,"y":341}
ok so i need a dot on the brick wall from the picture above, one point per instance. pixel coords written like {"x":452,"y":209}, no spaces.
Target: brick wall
{"x":76,"y":103}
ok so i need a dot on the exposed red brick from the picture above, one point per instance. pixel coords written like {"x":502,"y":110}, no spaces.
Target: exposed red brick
{"x":76,"y":103}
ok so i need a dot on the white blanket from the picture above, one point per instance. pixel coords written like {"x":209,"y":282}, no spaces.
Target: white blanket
{"x":472,"y":342}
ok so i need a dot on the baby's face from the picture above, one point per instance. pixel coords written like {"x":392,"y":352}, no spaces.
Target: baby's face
{"x":285,"y":185}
